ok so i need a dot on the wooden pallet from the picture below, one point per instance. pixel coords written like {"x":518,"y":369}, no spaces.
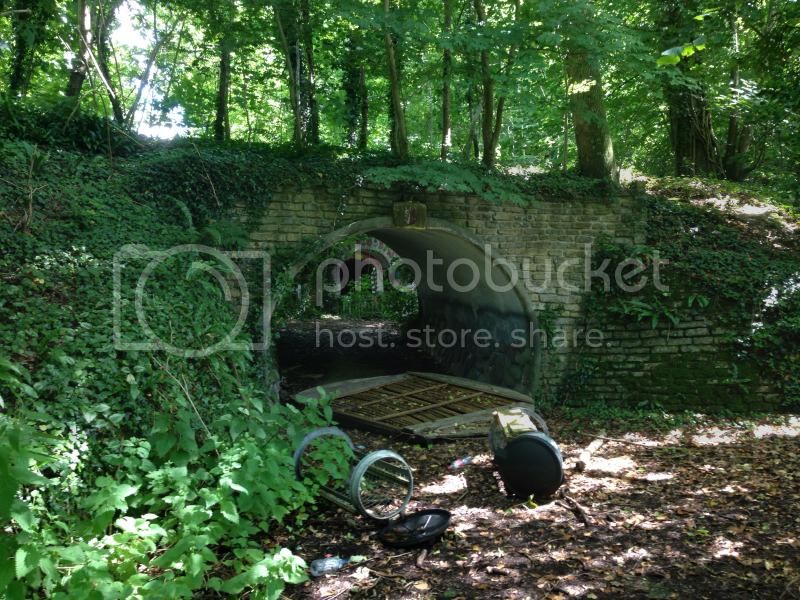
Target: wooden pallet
{"x":422,"y":404}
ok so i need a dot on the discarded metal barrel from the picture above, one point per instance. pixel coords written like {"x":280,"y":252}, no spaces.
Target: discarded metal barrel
{"x":528,"y":460}
{"x":379,"y":484}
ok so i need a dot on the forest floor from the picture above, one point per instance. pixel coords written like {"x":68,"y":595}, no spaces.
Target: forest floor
{"x":708,"y":509}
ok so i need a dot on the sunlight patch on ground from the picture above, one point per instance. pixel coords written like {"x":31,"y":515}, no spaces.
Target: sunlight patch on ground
{"x":725,"y":547}
{"x":791,"y":429}
{"x":752,"y":210}
{"x":734,"y":489}
{"x":639,"y":439}
{"x":657,"y":476}
{"x":450,"y":484}
{"x":470,"y":515}
{"x":714,"y":436}
{"x":617,"y":464}
{"x":603,"y":484}
{"x":631,"y":555}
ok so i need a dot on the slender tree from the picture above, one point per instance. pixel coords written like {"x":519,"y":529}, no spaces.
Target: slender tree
{"x":355,"y":89}
{"x":492,"y":107}
{"x":399,"y":140}
{"x":692,"y":136}
{"x":295,"y":38}
{"x":80,"y":63}
{"x":222,"y":123}
{"x":447,"y":71}
{"x":30,"y":20}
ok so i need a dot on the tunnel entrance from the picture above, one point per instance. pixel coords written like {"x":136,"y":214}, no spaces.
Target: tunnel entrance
{"x":380,"y":300}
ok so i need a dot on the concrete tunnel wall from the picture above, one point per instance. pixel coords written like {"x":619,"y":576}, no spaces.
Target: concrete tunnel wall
{"x":479,"y":323}
{"x":473,"y":321}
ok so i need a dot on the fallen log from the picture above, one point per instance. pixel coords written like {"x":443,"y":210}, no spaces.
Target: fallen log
{"x":586,"y":455}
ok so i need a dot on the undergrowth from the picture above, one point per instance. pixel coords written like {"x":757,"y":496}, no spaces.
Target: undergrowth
{"x":127,"y":474}
{"x":742,"y":274}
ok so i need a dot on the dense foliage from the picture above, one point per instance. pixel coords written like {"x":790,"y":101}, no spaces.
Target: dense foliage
{"x":147,"y":473}
{"x":128,"y":473}
{"x":741,"y":272}
{"x":689,"y":87}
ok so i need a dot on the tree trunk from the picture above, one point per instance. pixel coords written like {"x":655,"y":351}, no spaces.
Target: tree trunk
{"x":739,"y":137}
{"x":356,"y":106}
{"x":487,"y":117}
{"x":447,"y":69}
{"x":397,"y":114}
{"x":296,"y":39}
{"x":308,"y":87}
{"x":472,"y":146}
{"x":691,"y":133}
{"x":363,"y":132}
{"x":80,"y":64}
{"x":222,"y":125}
{"x":24,"y":45}
{"x":145,"y":79}
{"x":102,"y":21}
{"x":492,"y":117}
{"x":294,"y":95}
{"x":592,"y":138}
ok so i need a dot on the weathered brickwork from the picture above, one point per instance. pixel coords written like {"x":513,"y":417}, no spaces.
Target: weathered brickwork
{"x":633,"y":363}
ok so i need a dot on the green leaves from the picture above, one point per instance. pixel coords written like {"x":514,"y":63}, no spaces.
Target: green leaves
{"x":673,"y":56}
{"x":25,"y":560}
{"x":15,"y":378}
{"x":449,"y":177}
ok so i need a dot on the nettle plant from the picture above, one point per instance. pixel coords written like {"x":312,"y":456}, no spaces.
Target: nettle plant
{"x":128,"y":474}
{"x":183,"y":507}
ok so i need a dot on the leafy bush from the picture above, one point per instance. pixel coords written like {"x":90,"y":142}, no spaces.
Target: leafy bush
{"x":130,"y":474}
{"x":62,"y":124}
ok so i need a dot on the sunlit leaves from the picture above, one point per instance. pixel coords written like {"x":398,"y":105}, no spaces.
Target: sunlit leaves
{"x":672,"y":56}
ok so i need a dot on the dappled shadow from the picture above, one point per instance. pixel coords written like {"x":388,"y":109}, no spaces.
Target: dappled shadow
{"x":672,"y":518}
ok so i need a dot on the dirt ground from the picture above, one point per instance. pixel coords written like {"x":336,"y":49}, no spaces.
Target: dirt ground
{"x":707,"y":510}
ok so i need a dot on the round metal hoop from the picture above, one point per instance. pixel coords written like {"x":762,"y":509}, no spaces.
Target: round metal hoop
{"x":312,"y":437}
{"x":401,"y":474}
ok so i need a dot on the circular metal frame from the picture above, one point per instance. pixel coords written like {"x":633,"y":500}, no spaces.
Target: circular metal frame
{"x":312,"y":437}
{"x":360,"y":470}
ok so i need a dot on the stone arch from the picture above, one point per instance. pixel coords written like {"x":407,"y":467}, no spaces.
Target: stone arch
{"x":475,"y":311}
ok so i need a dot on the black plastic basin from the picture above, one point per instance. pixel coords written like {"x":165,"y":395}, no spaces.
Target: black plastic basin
{"x":418,"y":528}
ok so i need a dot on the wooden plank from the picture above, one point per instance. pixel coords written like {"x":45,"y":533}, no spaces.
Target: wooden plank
{"x":393,"y":397}
{"x":343,"y":389}
{"x":423,"y":404}
{"x":477,"y":416}
{"x":427,"y":407}
{"x":476,"y":385}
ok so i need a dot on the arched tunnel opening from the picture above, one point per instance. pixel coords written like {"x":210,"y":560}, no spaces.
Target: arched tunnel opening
{"x":382,"y":300}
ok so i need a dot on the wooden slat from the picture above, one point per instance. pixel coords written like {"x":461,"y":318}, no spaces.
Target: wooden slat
{"x":423,"y":404}
{"x":393,"y":397}
{"x":427,"y":407}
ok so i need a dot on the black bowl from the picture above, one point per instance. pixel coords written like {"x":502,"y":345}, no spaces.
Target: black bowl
{"x":416,"y":529}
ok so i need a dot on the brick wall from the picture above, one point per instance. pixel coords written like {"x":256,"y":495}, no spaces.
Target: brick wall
{"x":635,"y":363}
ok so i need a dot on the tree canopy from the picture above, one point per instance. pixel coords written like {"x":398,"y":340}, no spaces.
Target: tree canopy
{"x":691,"y":88}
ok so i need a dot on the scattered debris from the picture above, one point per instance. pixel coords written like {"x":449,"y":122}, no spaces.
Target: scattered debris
{"x":379,"y":485}
{"x":426,"y":405}
{"x":528,"y":460}
{"x":709,"y":521}
{"x":586,"y":455}
{"x":323,"y":566}
{"x":461,"y":462}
